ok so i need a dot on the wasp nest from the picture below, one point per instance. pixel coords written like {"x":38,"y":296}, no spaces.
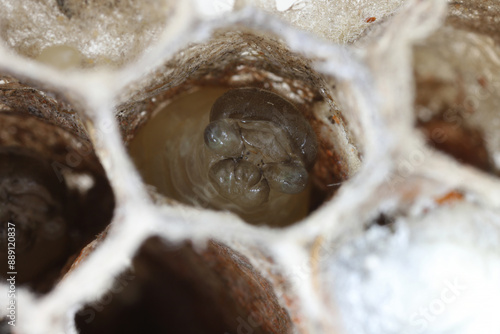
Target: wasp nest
{"x":249,"y":166}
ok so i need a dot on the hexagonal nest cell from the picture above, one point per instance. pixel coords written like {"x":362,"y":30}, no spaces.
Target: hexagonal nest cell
{"x":173,"y":108}
{"x":54,"y":190}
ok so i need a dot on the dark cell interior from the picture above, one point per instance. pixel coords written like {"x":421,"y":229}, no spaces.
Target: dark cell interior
{"x":5,"y":328}
{"x":53,"y":188}
{"x":443,"y":116}
{"x":178,"y":290}
{"x":47,"y":222}
{"x":464,"y":143}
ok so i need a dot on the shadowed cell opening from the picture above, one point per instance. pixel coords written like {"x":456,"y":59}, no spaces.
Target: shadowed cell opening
{"x":178,"y":290}
{"x":54,"y":199}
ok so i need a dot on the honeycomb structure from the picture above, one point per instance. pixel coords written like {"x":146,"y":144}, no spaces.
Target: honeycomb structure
{"x":403,"y":230}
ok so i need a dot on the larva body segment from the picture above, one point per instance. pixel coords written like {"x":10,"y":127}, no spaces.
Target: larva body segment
{"x":223,"y":137}
{"x":254,"y":104}
{"x":240,"y":182}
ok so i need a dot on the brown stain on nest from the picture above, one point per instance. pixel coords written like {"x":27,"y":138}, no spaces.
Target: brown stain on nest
{"x":447,"y":129}
{"x":449,"y":198}
{"x":461,"y":142}
{"x":483,"y":82}
{"x":334,"y":120}
{"x":330,"y":167}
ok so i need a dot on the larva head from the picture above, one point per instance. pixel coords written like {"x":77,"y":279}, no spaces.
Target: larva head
{"x":262,"y":141}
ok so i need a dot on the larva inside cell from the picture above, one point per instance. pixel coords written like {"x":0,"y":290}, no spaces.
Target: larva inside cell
{"x":33,"y":206}
{"x":53,"y":208}
{"x":244,"y":150}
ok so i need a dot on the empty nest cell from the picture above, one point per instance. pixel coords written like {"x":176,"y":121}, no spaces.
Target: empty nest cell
{"x":178,"y":289}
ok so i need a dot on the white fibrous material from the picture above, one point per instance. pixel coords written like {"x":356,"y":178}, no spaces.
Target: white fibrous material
{"x":105,"y":34}
{"x":436,"y":273}
{"x":340,"y":21}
